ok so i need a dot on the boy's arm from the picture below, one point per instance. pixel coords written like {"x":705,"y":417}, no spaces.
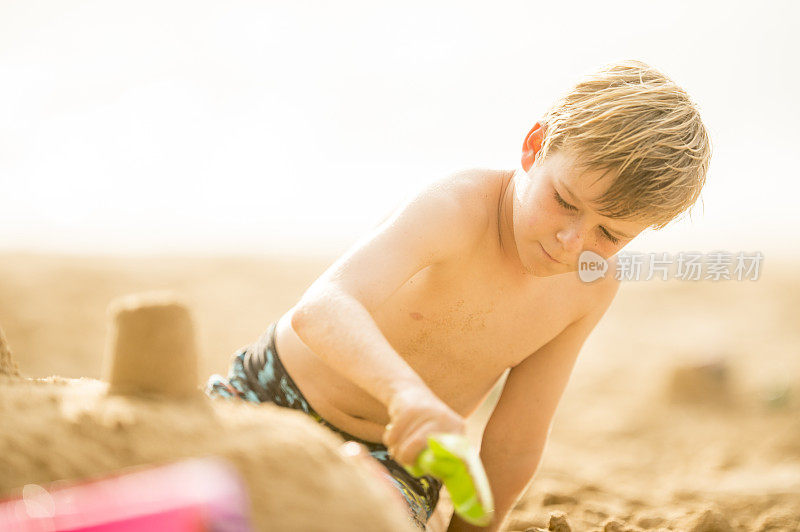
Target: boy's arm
{"x":334,"y":316}
{"x":517,"y":430}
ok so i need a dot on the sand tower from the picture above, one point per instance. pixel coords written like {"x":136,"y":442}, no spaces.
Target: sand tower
{"x":151,"y":347}
{"x":7,"y":364}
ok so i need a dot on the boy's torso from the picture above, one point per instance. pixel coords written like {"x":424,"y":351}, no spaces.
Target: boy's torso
{"x":458,"y":324}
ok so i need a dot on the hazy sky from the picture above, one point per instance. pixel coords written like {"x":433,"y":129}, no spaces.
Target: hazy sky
{"x":236,"y":126}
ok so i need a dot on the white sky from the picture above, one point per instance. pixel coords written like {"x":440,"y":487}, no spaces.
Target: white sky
{"x":295,"y":126}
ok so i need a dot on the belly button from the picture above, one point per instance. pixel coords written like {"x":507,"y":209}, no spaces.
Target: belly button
{"x":416,"y":315}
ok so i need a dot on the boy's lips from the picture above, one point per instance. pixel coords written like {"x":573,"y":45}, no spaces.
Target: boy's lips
{"x":548,"y":255}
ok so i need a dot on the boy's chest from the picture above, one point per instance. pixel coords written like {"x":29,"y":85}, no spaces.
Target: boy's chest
{"x":461,"y":326}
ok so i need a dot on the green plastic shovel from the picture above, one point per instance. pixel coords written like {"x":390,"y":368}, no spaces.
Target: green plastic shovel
{"x":451,"y":459}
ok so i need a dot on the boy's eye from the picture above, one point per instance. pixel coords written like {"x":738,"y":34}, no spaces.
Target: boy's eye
{"x":563,"y":203}
{"x":567,"y":206}
{"x":609,"y":236}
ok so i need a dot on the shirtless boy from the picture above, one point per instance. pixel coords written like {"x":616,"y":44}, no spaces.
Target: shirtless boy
{"x":407,"y":332}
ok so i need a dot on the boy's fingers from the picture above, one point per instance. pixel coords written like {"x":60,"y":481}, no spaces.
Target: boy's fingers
{"x":387,"y":435}
{"x":410,"y":447}
{"x":397,"y":441}
{"x":408,"y":451}
{"x":398,"y":428}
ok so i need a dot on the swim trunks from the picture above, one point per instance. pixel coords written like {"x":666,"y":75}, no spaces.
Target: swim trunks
{"x":256,"y":374}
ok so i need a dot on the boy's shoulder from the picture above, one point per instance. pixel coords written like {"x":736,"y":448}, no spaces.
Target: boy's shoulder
{"x":472,"y":183}
{"x":443,"y":219}
{"x":475,"y":191}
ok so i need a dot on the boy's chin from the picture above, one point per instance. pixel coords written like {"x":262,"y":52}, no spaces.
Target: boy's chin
{"x":539,"y":271}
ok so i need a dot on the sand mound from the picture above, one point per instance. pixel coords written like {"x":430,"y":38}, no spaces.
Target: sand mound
{"x":778,"y":519}
{"x":297,"y":479}
{"x":701,"y":382}
{"x":151,"y":348}
{"x":7,"y":364}
{"x":151,"y":412}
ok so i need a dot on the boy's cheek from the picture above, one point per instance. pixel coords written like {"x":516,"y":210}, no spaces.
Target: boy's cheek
{"x":537,"y":224}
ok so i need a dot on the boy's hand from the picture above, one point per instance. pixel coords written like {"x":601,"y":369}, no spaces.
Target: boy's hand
{"x":415,"y":414}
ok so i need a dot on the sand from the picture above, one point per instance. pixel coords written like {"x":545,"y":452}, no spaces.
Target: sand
{"x":7,"y":364}
{"x":682,"y":412}
{"x":295,"y":475}
{"x":150,"y":411}
{"x":151,"y":348}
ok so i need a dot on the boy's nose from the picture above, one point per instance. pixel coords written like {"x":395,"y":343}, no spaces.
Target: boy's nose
{"x":571,"y":238}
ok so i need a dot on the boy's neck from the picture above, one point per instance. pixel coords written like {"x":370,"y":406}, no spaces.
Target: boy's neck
{"x":505,"y":220}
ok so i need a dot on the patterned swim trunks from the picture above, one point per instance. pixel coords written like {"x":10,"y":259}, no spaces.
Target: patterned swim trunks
{"x":256,"y":374}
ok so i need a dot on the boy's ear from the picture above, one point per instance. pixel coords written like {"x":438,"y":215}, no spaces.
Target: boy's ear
{"x":531,"y":146}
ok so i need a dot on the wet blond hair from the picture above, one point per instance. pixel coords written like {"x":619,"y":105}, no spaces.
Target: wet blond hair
{"x":632,"y":119}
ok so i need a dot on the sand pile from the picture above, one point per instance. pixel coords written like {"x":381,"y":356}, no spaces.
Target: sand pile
{"x":703,"y":382}
{"x":7,"y":364}
{"x":151,"y":348}
{"x":152,"y":412}
{"x":296,"y":476}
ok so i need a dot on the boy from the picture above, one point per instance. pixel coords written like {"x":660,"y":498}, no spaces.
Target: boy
{"x":407,"y":332}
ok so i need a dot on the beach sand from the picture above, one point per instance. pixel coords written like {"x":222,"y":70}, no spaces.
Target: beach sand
{"x":682,"y":412}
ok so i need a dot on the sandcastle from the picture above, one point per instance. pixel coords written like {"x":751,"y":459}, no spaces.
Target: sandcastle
{"x":151,"y":348}
{"x":7,"y":365}
{"x":152,"y":411}
{"x":701,"y":382}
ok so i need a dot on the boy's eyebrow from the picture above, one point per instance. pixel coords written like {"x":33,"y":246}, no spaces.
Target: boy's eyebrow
{"x":571,"y":195}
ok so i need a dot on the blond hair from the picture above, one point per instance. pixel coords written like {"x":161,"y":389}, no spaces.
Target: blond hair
{"x":631,"y":118}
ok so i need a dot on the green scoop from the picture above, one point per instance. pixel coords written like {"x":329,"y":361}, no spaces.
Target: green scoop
{"x":450,"y":458}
